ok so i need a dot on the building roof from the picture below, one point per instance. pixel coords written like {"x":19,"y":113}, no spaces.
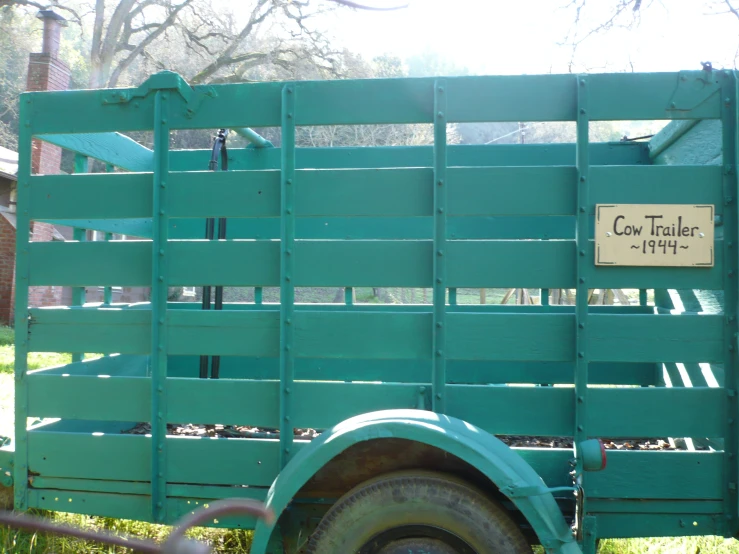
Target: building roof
{"x":8,"y":164}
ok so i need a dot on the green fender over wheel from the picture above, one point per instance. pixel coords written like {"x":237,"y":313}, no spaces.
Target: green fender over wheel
{"x":507,"y":470}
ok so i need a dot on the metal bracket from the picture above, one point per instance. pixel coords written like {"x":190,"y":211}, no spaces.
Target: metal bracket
{"x":693,"y":89}
{"x":164,"y":80}
{"x":522,"y":491}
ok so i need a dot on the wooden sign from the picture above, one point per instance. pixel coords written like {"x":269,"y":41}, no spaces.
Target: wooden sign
{"x":654,"y":235}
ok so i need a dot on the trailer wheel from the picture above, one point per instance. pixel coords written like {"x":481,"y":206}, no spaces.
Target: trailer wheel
{"x":416,"y":512}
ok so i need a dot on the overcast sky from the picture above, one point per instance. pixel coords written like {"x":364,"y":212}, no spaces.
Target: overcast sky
{"x":522,"y":36}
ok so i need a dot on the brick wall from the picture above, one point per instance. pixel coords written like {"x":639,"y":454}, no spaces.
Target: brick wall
{"x":7,"y":271}
{"x":46,"y":72}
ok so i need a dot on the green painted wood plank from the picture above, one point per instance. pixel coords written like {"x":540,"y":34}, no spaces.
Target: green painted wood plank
{"x":622,"y":96}
{"x":92,"y":398}
{"x":645,"y":475}
{"x":418,"y":371}
{"x":224,"y":194}
{"x":641,"y":96}
{"x":678,"y":506}
{"x":223,"y":333}
{"x":509,"y":337}
{"x":667,"y":136}
{"x":352,"y":228}
{"x":105,"y":330}
{"x":662,"y":338}
{"x":119,"y":263}
{"x":511,"y":191}
{"x":113,"y":148}
{"x":127,"y":458}
{"x":134,"y":228}
{"x":389,"y":335}
{"x":658,"y":525}
{"x":657,"y":412}
{"x":699,"y":184}
{"x":363,"y":263}
{"x":348,"y":157}
{"x":90,"y":196}
{"x":362,"y":335}
{"x":126,"y":506}
{"x":58,"y":113}
{"x":673,"y":412}
{"x":250,"y":263}
{"x":478,"y":191}
{"x":700,"y":145}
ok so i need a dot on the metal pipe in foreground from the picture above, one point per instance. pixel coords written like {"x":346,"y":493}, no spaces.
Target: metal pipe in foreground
{"x":255,"y":138}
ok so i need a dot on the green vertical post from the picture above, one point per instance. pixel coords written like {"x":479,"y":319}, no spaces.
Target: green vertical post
{"x":642,"y":297}
{"x":730,"y":143}
{"x":440,"y":210}
{"x":22,"y":273}
{"x":584,"y":259}
{"x":108,"y":291}
{"x":257,"y":295}
{"x":159,"y":263}
{"x":287,"y":290}
{"x":545,"y":297}
{"x":80,"y":235}
{"x":349,"y":296}
{"x":452,"y":296}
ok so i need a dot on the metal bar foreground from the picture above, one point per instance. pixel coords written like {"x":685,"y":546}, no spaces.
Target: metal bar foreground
{"x":175,"y":544}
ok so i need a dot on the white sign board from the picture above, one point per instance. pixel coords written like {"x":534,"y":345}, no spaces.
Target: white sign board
{"x":676,"y":235}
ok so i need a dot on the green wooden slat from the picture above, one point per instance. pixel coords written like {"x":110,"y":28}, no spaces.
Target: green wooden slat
{"x":223,"y":333}
{"x":364,"y":192}
{"x":659,"y":525}
{"x":652,"y":412}
{"x":128,"y":458}
{"x":363,"y":263}
{"x":657,"y":412}
{"x":241,"y":269}
{"x":624,"y":96}
{"x":476,"y":191}
{"x":362,"y":335}
{"x":612,"y":153}
{"x":686,"y":338}
{"x":508,"y":337}
{"x":418,"y":371}
{"x":114,"y":148}
{"x":224,"y":194}
{"x":126,"y":506}
{"x":126,"y":263}
{"x":672,"y":412}
{"x":636,"y":474}
{"x":372,"y":335}
{"x":93,"y":398}
{"x":126,"y":332}
{"x":91,"y":196}
{"x":621,"y":96}
{"x":649,"y":475}
{"x":140,"y":228}
{"x":655,"y":185}
{"x":511,"y":191}
{"x":58,"y":113}
{"x":679,"y":506}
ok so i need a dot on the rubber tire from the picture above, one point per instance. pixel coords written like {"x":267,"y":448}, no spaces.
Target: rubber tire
{"x":417,"y":498}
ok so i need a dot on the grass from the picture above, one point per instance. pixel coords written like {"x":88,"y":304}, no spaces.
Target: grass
{"x":222,"y":541}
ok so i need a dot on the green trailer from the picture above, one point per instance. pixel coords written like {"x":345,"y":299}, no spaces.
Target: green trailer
{"x":440,"y":427}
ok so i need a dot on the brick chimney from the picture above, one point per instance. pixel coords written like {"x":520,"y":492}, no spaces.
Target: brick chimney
{"x":46,"y":72}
